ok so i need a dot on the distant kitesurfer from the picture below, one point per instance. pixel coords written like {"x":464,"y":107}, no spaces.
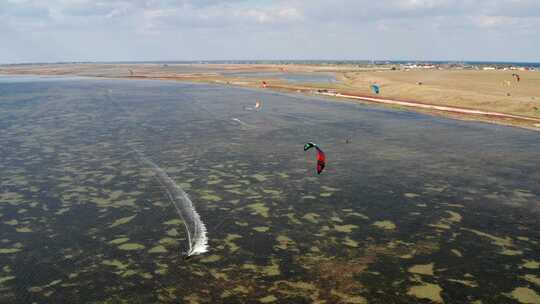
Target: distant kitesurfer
{"x":186,"y":256}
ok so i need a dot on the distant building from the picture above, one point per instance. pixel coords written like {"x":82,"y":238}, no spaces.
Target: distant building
{"x":420,"y":66}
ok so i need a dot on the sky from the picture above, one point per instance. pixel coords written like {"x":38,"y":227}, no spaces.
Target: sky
{"x":162,"y":30}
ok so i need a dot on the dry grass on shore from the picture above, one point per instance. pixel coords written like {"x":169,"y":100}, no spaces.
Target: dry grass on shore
{"x":481,"y":90}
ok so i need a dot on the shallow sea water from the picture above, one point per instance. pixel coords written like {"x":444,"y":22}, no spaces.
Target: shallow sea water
{"x":289,"y":77}
{"x":414,"y":209}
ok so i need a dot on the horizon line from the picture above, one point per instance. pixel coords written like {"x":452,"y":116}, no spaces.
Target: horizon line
{"x":268,"y":60}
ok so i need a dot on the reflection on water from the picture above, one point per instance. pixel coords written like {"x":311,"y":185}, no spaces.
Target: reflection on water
{"x":413,"y":207}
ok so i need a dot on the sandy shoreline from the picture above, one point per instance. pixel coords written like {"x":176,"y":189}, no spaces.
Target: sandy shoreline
{"x":433,"y":107}
{"x":486,"y":96}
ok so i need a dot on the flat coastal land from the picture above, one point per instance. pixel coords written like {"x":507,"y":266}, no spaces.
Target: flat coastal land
{"x":479,"y":93}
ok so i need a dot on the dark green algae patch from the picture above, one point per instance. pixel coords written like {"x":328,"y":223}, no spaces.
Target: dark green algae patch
{"x":414,"y":209}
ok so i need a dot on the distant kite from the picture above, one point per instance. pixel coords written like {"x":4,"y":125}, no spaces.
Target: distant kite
{"x":257,"y":107}
{"x":375,"y":88}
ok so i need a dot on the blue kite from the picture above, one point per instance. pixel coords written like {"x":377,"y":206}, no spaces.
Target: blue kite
{"x":375,"y":88}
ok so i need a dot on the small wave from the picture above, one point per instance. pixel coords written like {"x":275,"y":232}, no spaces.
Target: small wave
{"x":243,"y":124}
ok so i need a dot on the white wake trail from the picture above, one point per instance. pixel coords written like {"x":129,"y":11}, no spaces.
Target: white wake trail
{"x":195,"y":228}
{"x":243,"y":124}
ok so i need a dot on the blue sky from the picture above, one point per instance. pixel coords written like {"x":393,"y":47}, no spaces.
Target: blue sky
{"x":121,"y":30}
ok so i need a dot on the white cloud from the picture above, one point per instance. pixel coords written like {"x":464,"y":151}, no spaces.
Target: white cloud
{"x":277,"y":15}
{"x":273,"y":29}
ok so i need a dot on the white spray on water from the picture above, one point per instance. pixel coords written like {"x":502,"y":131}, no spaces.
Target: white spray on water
{"x":195,"y":228}
{"x":243,"y":124}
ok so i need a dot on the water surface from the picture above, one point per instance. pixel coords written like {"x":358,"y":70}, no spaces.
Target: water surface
{"x":289,"y":77}
{"x":414,"y":208}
